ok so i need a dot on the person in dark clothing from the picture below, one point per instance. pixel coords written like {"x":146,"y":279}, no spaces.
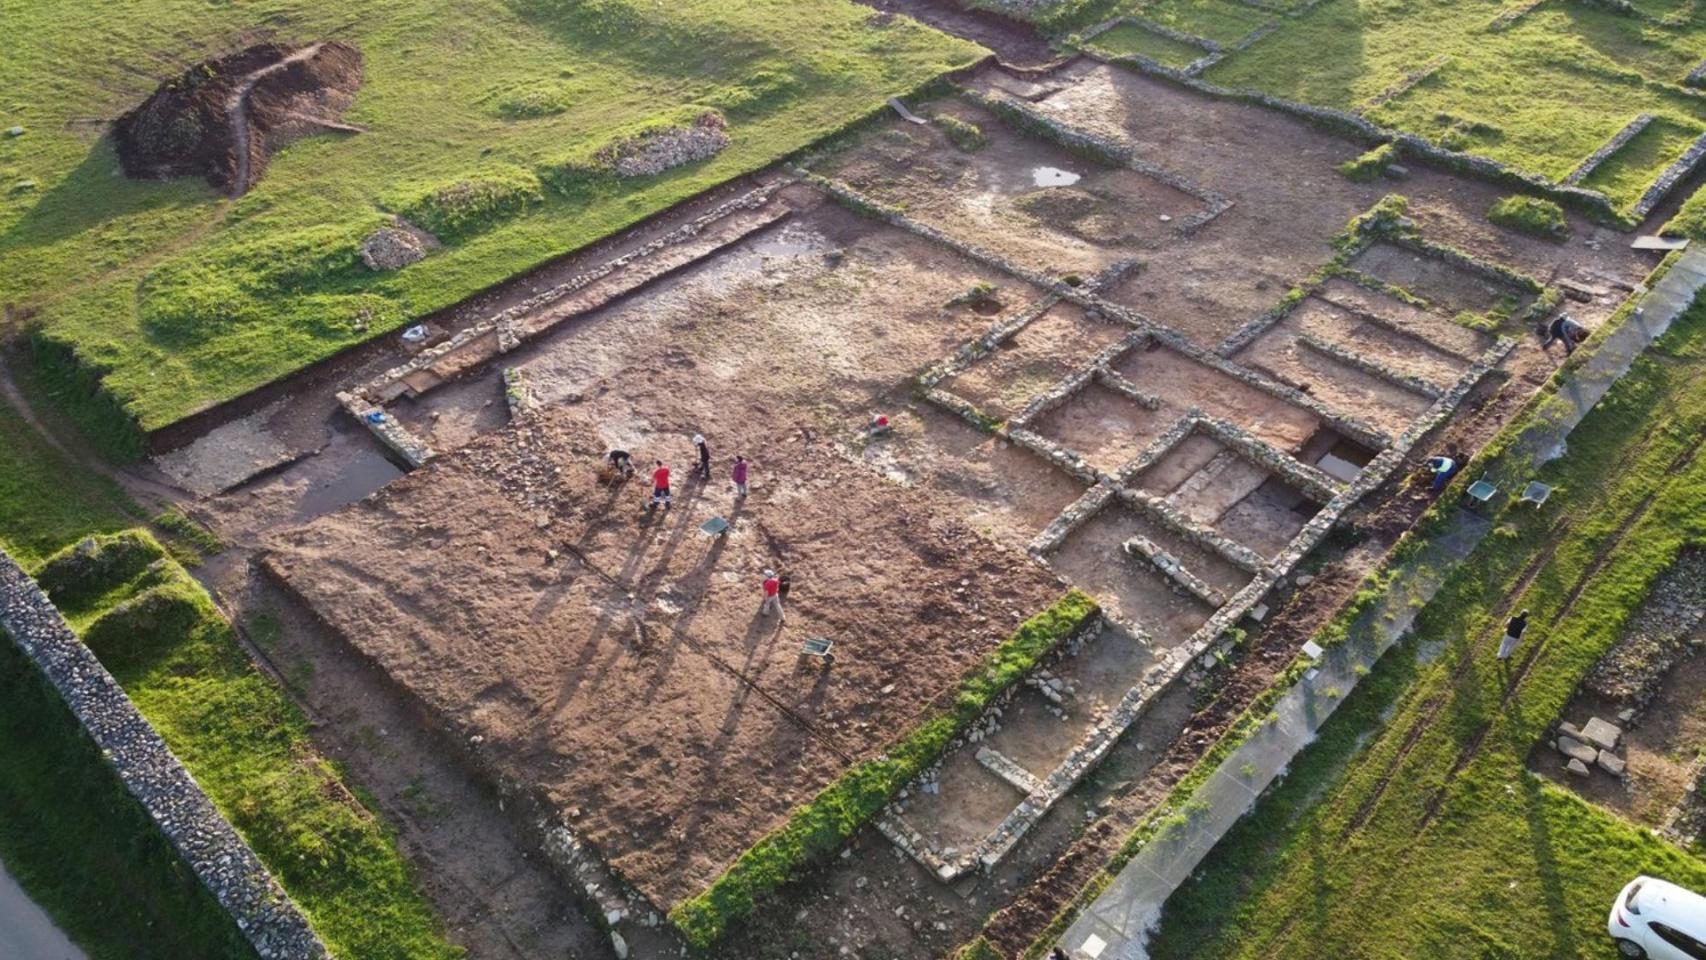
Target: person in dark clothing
{"x":619,"y":462}
{"x":703,"y":470}
{"x":1564,"y":328}
{"x":1513,"y":635}
{"x":1058,"y":954}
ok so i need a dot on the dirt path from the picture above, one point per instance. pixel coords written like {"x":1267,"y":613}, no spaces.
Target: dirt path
{"x":237,"y":108}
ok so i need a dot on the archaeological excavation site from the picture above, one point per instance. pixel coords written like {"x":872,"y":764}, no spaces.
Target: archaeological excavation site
{"x":1117,"y":358}
{"x":1077,"y":403}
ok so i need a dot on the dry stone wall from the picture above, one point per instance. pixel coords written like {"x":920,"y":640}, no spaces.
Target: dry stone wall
{"x":207,"y":842}
{"x":1610,"y":147}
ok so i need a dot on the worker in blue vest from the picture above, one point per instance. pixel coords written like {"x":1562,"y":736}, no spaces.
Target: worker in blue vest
{"x":1443,"y":469}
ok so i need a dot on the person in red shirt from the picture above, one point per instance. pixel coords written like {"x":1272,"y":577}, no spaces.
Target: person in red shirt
{"x":772,"y":594}
{"x":660,"y":486}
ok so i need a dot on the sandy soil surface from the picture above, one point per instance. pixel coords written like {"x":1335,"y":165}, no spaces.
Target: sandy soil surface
{"x":1022,"y":196}
{"x":1037,"y":358}
{"x":618,"y":661}
{"x":1181,"y":383}
{"x":1288,"y":204}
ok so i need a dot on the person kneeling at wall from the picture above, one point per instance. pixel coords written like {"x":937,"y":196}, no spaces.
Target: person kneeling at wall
{"x":1443,"y":469}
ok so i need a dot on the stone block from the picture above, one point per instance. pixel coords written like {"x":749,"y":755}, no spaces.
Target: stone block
{"x":1577,"y":768}
{"x":1577,"y":750}
{"x":1611,"y":763}
{"x":1602,"y":734}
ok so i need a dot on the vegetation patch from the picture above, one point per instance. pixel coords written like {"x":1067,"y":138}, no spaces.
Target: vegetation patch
{"x":1627,"y":174}
{"x":532,"y":101}
{"x":1131,"y":39}
{"x":463,"y":208}
{"x":82,"y":847}
{"x":1531,"y":215}
{"x":966,"y":135}
{"x":46,"y":501}
{"x":820,"y":828}
{"x":1371,"y":165}
{"x":246,"y":743}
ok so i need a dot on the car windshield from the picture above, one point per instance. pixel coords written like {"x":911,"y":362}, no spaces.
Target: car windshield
{"x":1629,"y":901}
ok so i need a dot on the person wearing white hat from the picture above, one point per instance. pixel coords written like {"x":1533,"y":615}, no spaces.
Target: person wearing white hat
{"x":772,"y":594}
{"x":703,"y":471}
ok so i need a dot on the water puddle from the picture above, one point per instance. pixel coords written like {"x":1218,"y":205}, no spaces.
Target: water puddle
{"x":362,"y":473}
{"x":1053,"y":177}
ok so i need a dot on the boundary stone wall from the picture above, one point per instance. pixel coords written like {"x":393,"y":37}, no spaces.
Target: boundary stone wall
{"x":211,"y":847}
{"x":1349,"y":124}
{"x":1610,"y":147}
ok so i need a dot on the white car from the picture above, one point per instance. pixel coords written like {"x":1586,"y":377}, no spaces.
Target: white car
{"x":1660,"y":920}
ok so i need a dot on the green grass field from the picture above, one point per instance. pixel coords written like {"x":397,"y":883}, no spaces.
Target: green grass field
{"x":183,"y":298}
{"x":1540,"y":93}
{"x":1410,"y":829}
{"x":246,"y":743}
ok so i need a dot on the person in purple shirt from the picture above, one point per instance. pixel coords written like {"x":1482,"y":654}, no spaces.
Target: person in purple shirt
{"x":739,"y":476}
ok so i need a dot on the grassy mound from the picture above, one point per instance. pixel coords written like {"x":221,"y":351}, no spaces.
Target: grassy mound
{"x":1531,"y":215}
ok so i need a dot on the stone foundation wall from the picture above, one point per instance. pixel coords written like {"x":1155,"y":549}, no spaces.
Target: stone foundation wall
{"x":1611,"y":146}
{"x":1674,"y":174}
{"x":1349,"y":124}
{"x":209,"y":845}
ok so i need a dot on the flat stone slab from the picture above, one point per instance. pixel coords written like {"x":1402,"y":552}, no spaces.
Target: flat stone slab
{"x":1602,"y":734}
{"x":1611,"y":763}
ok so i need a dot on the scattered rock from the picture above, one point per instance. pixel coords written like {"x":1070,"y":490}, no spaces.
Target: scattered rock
{"x":14,"y":131}
{"x":397,"y":246}
{"x":1577,"y":768}
{"x":658,"y":150}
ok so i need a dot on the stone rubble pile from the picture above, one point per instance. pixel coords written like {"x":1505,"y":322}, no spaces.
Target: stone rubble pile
{"x":652,"y":153}
{"x":1657,"y":635}
{"x":396,"y":246}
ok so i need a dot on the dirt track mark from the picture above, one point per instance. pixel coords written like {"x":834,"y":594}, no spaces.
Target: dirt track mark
{"x":237,"y":107}
{"x":1682,"y":462}
{"x":1434,"y":705}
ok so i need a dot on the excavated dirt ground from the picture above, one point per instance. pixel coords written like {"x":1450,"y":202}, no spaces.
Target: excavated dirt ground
{"x":1661,"y":748}
{"x":1288,"y":203}
{"x":222,"y":118}
{"x":630,"y":676}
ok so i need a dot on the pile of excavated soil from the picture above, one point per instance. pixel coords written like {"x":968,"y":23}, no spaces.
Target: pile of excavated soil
{"x":222,"y":118}
{"x":616,"y":667}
